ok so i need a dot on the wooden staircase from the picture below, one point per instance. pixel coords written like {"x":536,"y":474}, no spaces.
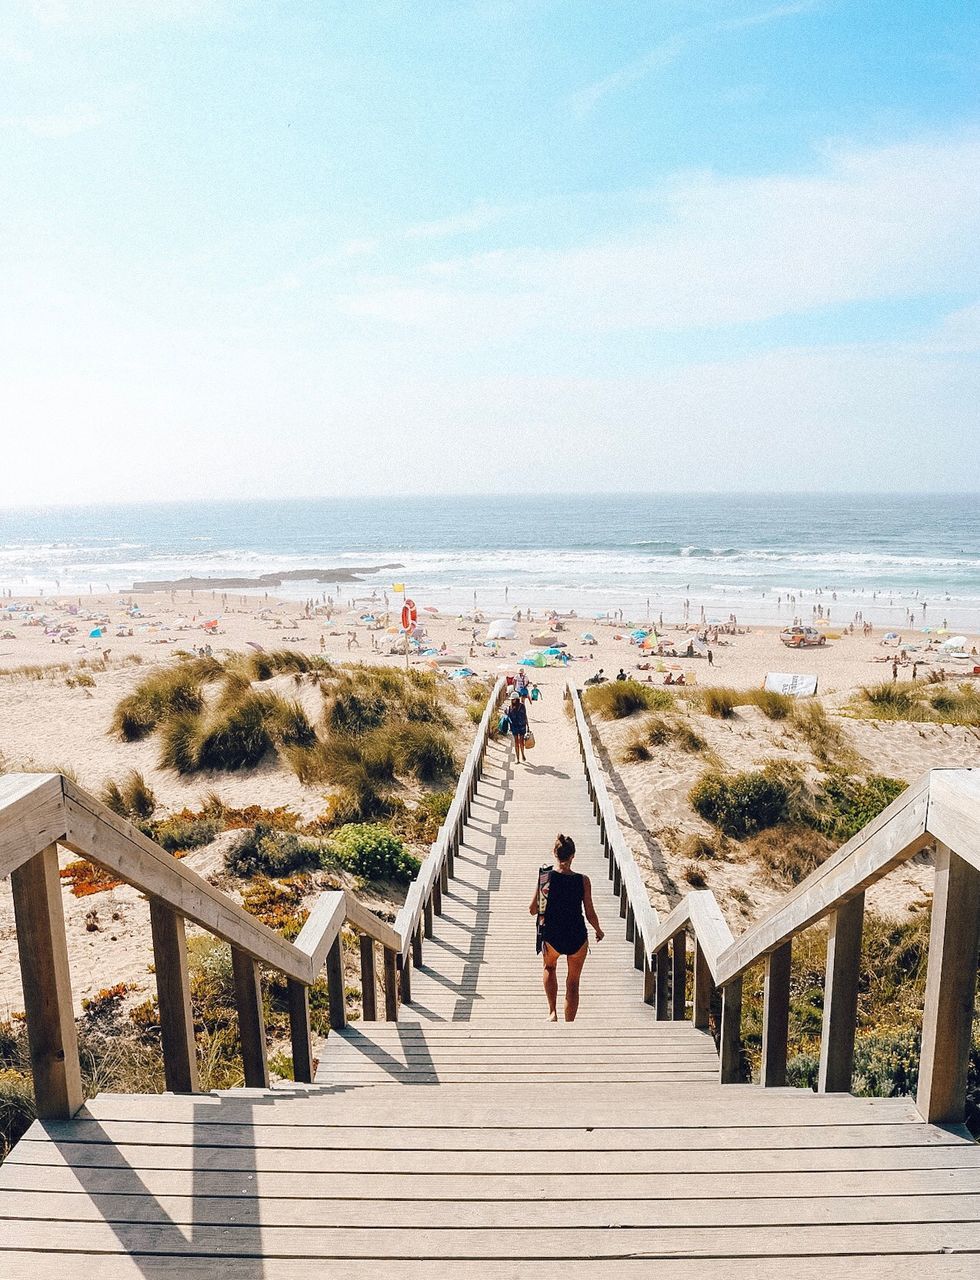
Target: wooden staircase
{"x":472,"y":1138}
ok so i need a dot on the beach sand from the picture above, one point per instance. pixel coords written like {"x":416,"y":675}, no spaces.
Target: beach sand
{"x":49,"y":721}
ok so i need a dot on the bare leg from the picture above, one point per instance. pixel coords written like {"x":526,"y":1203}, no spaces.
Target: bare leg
{"x":550,"y":957}
{"x":575,"y":963}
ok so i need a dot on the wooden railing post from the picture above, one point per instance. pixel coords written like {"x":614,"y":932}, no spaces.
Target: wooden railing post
{"x":678,"y":978}
{"x":405,"y":978}
{"x":617,"y":878}
{"x":649,"y":981}
{"x":417,"y":947}
{"x":251,"y":1024}
{"x":437,"y":895}
{"x":40,"y":923}
{"x":390,"y":962}
{"x":173,"y":998}
{"x":663,"y":970}
{"x":775,"y":1016}
{"x":336,"y":997}
{"x":427,"y":915}
{"x":369,"y":990}
{"x":639,"y":947}
{"x":298,"y":1000}
{"x":951,"y":980}
{"x":630,"y":923}
{"x":840,"y":997}
{"x":730,"y":1048}
{"x":703,"y":988}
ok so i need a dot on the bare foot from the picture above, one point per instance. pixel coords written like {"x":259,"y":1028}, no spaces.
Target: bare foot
{"x":553,"y":1016}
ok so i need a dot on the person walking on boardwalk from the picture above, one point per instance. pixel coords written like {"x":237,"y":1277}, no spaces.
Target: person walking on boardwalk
{"x":517,"y":715}
{"x":560,"y":899}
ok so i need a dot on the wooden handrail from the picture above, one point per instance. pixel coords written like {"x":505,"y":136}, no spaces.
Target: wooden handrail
{"x":941,"y":810}
{"x":39,"y":812}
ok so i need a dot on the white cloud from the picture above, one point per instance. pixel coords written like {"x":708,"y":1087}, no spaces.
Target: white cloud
{"x":63,"y":124}
{"x":863,"y":225}
{"x":475,"y":219}
{"x":584,"y":100}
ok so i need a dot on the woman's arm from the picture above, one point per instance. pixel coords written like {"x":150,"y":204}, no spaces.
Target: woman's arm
{"x":590,"y":914}
{"x":534,"y":901}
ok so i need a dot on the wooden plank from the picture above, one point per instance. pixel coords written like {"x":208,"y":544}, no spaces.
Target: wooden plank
{"x":251,"y":1026}
{"x":46,"y":981}
{"x":365,"y":921}
{"x":174,"y":998}
{"x":298,"y":1001}
{"x":321,"y":930}
{"x":840,"y":997}
{"x":951,"y":982}
{"x":336,"y":994}
{"x":369,"y":980}
{"x":887,"y":1145}
{"x":394,"y":1244}
{"x":775,"y":1016}
{"x":32,"y":817}
{"x":186,"y":1211}
{"x":36,"y":1265}
{"x":954,"y":811}
{"x":678,"y":977}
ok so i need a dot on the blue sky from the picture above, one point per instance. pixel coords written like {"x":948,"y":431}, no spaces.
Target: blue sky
{"x":326,"y":247}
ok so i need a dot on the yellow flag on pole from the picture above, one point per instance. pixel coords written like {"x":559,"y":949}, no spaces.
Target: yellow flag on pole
{"x":398,"y":586}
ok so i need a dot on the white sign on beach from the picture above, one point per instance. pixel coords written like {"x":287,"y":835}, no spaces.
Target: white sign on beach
{"x":795,"y":686}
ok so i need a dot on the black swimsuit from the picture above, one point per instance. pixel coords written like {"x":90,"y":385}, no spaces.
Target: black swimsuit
{"x":564,"y":922}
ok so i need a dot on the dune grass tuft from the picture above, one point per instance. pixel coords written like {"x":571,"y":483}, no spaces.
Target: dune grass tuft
{"x":618,"y":699}
{"x":133,"y":799}
{"x":923,"y":702}
{"x":172,"y":691}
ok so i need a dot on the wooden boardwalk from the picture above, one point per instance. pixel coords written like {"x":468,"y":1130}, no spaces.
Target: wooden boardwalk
{"x":474,"y":1138}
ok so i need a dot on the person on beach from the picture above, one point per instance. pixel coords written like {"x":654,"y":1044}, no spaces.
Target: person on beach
{"x":562,"y":903}
{"x":517,"y":715}
{"x":520,"y":686}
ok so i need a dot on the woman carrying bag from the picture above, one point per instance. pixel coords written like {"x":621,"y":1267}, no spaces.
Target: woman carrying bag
{"x":517,"y":715}
{"x":563,"y":902}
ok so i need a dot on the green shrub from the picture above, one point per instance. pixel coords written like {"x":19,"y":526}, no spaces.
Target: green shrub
{"x":921,"y":702}
{"x":265,"y":850}
{"x":179,"y":834}
{"x":825,"y":738}
{"x":617,"y":699}
{"x":742,"y":803}
{"x":373,"y":853}
{"x":851,"y":803}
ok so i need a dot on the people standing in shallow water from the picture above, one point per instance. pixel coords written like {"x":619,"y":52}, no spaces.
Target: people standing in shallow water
{"x":563,"y":902}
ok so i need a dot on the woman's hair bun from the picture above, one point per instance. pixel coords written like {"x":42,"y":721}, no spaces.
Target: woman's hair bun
{"x":564,"y":846}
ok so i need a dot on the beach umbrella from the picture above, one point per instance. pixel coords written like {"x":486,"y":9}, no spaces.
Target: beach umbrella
{"x":257,"y":647}
{"x":954,"y":642}
{"x":461,"y":673}
{"x":588,"y":637}
{"x":545,"y":639}
{"x":429,"y":608}
{"x":639,"y":634}
{"x":95,"y":633}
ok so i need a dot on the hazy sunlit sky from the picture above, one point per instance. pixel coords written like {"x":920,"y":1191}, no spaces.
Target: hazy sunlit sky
{"x":281,"y":247}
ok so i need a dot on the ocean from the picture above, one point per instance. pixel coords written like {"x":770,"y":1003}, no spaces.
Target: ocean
{"x":747,"y":554}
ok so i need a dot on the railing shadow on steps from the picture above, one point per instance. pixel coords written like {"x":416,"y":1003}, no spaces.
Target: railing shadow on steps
{"x":941,"y":811}
{"x":39,"y":812}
